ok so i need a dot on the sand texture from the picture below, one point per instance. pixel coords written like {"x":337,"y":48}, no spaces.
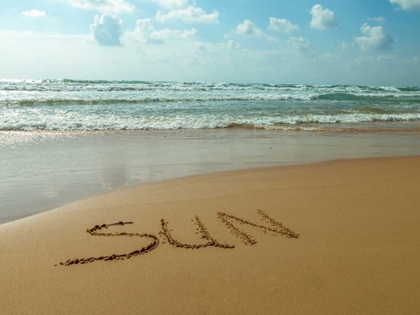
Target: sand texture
{"x":339,"y":237}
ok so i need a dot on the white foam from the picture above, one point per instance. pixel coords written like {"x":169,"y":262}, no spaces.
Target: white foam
{"x":38,"y":119}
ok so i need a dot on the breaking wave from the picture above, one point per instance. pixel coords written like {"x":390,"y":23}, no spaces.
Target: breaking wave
{"x":141,"y":105}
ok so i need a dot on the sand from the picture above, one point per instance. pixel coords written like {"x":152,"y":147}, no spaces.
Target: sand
{"x":339,"y":237}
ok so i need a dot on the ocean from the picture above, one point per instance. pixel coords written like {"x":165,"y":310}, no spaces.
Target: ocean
{"x":62,"y":105}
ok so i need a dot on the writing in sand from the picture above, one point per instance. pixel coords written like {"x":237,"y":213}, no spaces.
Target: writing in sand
{"x":277,"y":228}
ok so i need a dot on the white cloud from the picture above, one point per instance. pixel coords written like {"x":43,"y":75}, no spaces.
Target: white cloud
{"x":328,"y":57}
{"x":106,"y":6}
{"x":374,"y":38}
{"x":107,"y":30}
{"x":171,"y":4}
{"x":231,"y":44}
{"x":188,"y":61}
{"x":247,"y":28}
{"x":379,"y":19}
{"x":282,"y":25}
{"x":344,"y":45}
{"x":144,"y":28}
{"x":174,"y":34}
{"x":34,"y":13}
{"x":190,"y":14}
{"x":322,"y":19}
{"x":407,"y":4}
{"x":299,"y":43}
{"x":145,"y":32}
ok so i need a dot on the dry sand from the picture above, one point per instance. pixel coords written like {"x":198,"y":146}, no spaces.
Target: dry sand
{"x":343,"y":239}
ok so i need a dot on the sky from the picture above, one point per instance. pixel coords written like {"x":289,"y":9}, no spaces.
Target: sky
{"x":361,"y":42}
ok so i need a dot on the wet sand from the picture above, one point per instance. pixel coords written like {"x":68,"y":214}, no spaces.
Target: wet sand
{"x":44,"y":170}
{"x":337,"y":237}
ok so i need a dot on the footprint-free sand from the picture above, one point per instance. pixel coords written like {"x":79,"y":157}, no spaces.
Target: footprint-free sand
{"x":337,"y":237}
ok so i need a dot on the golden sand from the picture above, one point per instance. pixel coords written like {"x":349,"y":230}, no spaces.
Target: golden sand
{"x":337,"y":237}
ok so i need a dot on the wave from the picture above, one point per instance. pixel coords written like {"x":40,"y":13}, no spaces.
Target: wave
{"x":84,"y":92}
{"x":139,"y":100}
{"x":371,"y":110}
{"x":104,"y":86}
{"x":99,"y":121}
{"x":118,"y":105}
{"x":32,"y":99}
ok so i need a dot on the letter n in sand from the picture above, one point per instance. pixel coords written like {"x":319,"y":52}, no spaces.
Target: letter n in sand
{"x":277,"y":227}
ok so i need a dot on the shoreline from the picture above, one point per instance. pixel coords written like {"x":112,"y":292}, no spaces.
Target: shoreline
{"x":356,"y":223}
{"x":46,"y":170}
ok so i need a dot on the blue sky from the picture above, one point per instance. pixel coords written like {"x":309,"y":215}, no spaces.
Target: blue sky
{"x":374,"y":42}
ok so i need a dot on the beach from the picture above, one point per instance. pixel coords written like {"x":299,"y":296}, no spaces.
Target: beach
{"x":177,"y":157}
{"x":140,"y":197}
{"x":237,"y":222}
{"x":335,"y":237}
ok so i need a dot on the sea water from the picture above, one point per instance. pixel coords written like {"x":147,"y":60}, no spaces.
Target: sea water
{"x":138,"y":105}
